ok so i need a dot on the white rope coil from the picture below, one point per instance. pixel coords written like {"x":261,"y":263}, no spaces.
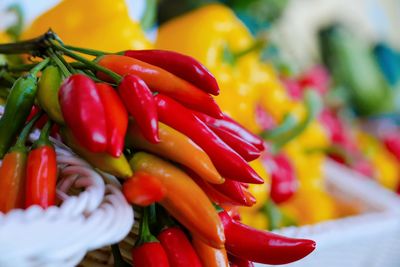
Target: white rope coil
{"x":60,"y":236}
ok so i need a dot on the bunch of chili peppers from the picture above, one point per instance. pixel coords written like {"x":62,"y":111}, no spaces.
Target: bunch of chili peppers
{"x":147,"y":117}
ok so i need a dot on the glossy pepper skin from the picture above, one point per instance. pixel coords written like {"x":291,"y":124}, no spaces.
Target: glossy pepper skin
{"x":228,"y":162}
{"x":143,"y":189}
{"x":139,"y":101}
{"x":104,"y":161}
{"x":184,"y":200}
{"x":148,"y":252}
{"x":238,"y":262}
{"x":241,"y":146}
{"x":162,"y":81}
{"x":84,"y":112}
{"x":47,"y":95}
{"x":209,"y":256}
{"x":283,"y":178}
{"x":18,"y":107}
{"x":213,"y":193}
{"x":41,"y":172}
{"x":228,"y":124}
{"x":234,"y":190}
{"x":116,"y":119}
{"x":179,"y":251}
{"x":262,"y":246}
{"x":183,"y":66}
{"x":13,"y":172}
{"x":176,"y":146}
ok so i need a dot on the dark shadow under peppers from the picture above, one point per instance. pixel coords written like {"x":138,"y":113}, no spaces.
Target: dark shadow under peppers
{"x":229,"y":164}
{"x":262,"y":246}
{"x":41,"y":172}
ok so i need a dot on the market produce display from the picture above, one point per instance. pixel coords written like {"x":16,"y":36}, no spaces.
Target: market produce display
{"x":212,"y":137}
{"x":94,"y":105}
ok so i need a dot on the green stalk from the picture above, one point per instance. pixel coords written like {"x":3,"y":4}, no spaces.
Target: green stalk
{"x":117,"y":78}
{"x":35,"y":70}
{"x":59,"y":63}
{"x":44,"y":136}
{"x":145,"y":235}
{"x":91,"y":52}
{"x":23,"y":136}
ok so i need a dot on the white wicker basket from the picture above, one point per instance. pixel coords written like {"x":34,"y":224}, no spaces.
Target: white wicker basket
{"x":95,"y":216}
{"x":371,"y":239}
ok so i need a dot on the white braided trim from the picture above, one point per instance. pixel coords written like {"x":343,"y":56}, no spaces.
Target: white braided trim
{"x":60,"y":236}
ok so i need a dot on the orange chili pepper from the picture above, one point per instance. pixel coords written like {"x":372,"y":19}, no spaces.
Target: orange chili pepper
{"x":209,"y":256}
{"x":184,"y":200}
{"x":176,"y":146}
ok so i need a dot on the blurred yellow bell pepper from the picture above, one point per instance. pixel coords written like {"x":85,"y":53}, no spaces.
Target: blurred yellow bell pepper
{"x":209,"y":34}
{"x":387,"y":170}
{"x":101,"y":24}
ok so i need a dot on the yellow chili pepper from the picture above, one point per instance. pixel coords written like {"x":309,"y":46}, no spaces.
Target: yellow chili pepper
{"x":103,"y":25}
{"x":105,"y":162}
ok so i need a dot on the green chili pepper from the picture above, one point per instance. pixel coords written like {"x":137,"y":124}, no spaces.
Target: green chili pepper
{"x":18,"y":106}
{"x":47,"y":94}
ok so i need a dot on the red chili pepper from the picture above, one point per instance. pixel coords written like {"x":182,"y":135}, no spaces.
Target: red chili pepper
{"x":160,"y":80}
{"x":116,"y":119}
{"x":212,"y":193}
{"x":234,"y":190}
{"x":41,"y":172}
{"x":178,"y":248}
{"x":228,"y":124}
{"x":148,"y":252}
{"x":262,"y":246}
{"x":139,"y":101}
{"x":283,"y":178}
{"x":84,"y":112}
{"x":238,"y":262}
{"x":180,"y":65}
{"x":143,"y":189}
{"x":241,"y":146}
{"x":228,"y":163}
{"x":13,"y":171}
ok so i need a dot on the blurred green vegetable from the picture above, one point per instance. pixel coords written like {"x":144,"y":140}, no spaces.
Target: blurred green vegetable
{"x":353,"y":67}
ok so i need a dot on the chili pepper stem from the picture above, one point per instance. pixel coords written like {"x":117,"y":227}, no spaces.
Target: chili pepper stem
{"x":91,"y":52}
{"x":117,"y":78}
{"x":36,"y":45}
{"x":44,"y":135}
{"x":59,"y":64}
{"x":20,"y":144}
{"x":39,"y":66}
{"x":145,"y":235}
